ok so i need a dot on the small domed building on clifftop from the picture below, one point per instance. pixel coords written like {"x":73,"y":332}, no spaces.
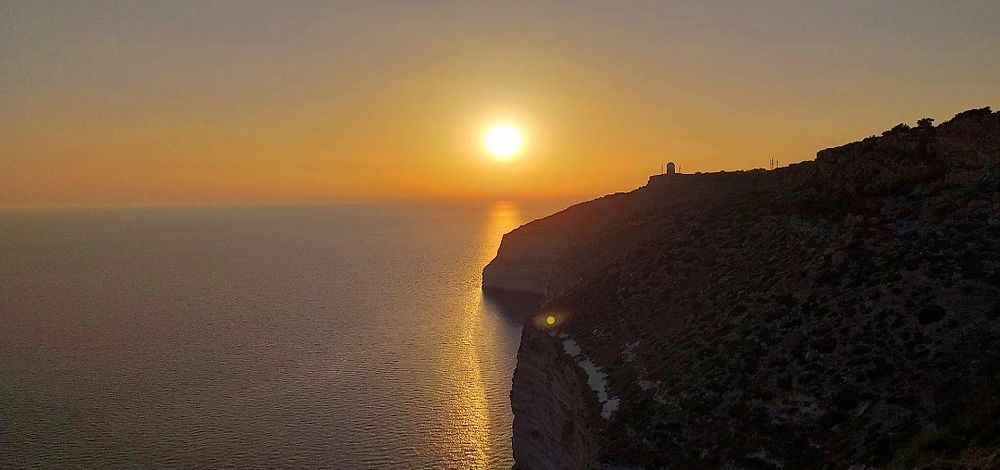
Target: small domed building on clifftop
{"x":670,"y":169}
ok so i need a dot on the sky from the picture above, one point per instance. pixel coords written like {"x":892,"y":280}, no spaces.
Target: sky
{"x":132,"y":102}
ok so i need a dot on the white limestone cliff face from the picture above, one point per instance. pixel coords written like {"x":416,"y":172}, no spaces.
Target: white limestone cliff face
{"x":553,"y":407}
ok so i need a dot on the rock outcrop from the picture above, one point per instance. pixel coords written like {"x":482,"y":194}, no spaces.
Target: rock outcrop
{"x":528,"y":256}
{"x":842,"y":311}
{"x":553,"y":407}
{"x":524,"y":264}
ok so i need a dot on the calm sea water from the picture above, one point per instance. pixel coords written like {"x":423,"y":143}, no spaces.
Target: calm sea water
{"x":340,"y":336}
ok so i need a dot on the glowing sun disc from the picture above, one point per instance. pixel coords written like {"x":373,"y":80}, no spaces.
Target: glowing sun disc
{"x":503,"y":141}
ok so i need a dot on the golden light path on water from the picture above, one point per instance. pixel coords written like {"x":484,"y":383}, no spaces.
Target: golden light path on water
{"x":353,"y":336}
{"x":477,"y":349}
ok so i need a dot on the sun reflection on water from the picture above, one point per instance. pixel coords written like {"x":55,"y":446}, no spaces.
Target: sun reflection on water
{"x":504,"y":217}
{"x":479,"y":346}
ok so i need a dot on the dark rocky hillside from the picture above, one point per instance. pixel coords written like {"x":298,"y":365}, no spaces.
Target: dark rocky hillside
{"x":843,"y":311}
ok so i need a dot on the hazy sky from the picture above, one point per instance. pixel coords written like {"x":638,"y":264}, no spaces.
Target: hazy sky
{"x":173,"y":102}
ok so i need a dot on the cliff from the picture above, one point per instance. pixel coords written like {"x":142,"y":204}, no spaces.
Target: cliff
{"x":553,"y":410}
{"x":527,"y":256}
{"x":835,"y":312}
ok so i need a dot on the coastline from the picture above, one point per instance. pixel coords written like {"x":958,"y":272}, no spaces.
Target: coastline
{"x":651,"y":283}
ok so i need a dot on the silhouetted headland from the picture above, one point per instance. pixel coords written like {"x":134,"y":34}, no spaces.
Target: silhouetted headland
{"x":840,"y":311}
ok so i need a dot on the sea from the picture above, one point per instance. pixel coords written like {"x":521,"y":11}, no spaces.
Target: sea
{"x":313,"y":336}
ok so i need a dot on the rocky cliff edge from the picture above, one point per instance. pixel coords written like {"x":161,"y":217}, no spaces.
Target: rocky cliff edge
{"x":841,"y":311}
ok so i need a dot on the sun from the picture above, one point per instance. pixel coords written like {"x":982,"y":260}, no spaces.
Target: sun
{"x":503,"y":141}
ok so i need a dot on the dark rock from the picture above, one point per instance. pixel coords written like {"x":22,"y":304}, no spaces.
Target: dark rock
{"x":823,"y":315}
{"x":931,"y":314}
{"x":994,"y":312}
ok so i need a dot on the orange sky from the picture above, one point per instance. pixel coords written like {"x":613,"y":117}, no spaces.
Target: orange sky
{"x":175,"y":102}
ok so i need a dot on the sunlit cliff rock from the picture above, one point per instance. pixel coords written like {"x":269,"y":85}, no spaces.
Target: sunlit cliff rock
{"x":842,"y":311}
